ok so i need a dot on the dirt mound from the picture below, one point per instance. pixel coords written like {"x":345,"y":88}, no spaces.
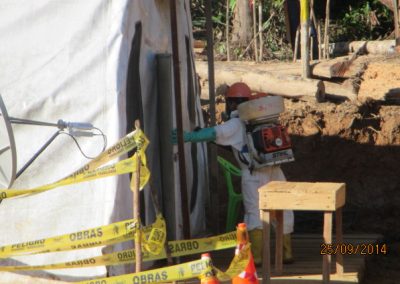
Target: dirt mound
{"x":381,"y":80}
{"x":351,"y":143}
{"x":355,"y":144}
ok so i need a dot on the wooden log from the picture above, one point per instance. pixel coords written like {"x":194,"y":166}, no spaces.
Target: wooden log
{"x":371,"y":47}
{"x":340,"y":91}
{"x":264,"y":81}
{"x":330,"y":68}
{"x":336,"y":67}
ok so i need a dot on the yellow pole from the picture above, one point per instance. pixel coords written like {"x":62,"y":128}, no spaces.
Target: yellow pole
{"x":305,"y":43}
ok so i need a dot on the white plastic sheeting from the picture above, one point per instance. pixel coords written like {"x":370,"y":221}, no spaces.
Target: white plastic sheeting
{"x":68,"y":60}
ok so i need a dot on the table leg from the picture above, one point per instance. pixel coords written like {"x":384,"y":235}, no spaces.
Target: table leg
{"x":266,"y":264}
{"x":339,"y":241}
{"x":279,"y":242}
{"x":326,"y":259}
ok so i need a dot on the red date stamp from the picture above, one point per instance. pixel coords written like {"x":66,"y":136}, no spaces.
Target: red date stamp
{"x":351,"y":249}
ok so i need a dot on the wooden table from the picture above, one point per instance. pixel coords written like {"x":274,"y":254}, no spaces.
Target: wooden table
{"x":320,"y":196}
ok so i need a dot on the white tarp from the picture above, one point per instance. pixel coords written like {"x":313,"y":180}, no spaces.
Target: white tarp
{"x":68,"y":60}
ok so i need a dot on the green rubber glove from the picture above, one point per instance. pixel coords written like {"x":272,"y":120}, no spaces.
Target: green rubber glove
{"x":202,"y":135}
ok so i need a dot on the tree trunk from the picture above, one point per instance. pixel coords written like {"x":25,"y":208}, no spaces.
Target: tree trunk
{"x":241,"y":33}
{"x":264,"y":81}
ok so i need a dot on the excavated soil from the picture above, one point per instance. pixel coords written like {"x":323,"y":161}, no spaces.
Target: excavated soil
{"x":381,"y":79}
{"x":358,"y":144}
{"x":354,"y":143}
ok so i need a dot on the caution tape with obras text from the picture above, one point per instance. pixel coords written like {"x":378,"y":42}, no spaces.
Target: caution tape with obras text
{"x":177,"y":248}
{"x":194,"y":269}
{"x":188,"y":270}
{"x":94,"y":237}
{"x":91,"y":170}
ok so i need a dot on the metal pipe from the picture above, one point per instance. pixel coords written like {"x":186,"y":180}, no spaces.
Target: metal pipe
{"x":179,"y":125}
{"x":210,"y":59}
{"x":212,"y":157}
{"x":31,"y":122}
{"x":37,"y":154}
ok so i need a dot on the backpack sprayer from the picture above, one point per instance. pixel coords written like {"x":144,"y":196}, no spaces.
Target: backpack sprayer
{"x":268,"y":141}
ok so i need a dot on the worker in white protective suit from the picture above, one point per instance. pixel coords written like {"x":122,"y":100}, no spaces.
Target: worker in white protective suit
{"x":232,"y":133}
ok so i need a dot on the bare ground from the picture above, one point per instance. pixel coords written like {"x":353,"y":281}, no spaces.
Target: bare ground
{"x":357,"y":143}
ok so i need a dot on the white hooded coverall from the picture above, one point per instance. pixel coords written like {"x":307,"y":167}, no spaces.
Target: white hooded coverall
{"x":232,"y":133}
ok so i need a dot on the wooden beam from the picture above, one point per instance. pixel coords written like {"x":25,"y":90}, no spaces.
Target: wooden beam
{"x":326,"y":258}
{"x":266,"y":264}
{"x":321,"y":196}
{"x":339,"y":240}
{"x":279,"y":242}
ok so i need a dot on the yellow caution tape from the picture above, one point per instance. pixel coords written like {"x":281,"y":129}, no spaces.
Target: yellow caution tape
{"x":98,"y":236}
{"x":135,"y":139}
{"x":182,"y":271}
{"x":177,"y":248}
{"x":237,"y":266}
{"x":121,"y":167}
{"x":90,"y":171}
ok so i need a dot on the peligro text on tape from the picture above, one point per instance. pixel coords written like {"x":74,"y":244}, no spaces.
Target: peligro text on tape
{"x":114,"y":233}
{"x":182,"y":271}
{"x":89,"y":171}
{"x":177,"y":248}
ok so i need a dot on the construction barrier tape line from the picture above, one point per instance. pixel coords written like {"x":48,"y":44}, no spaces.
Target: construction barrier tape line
{"x":135,"y":139}
{"x":237,"y":265}
{"x":177,"y":248}
{"x":94,"y":237}
{"x":90,"y":171}
{"x":121,"y":167}
{"x":194,"y":269}
{"x":182,"y":271}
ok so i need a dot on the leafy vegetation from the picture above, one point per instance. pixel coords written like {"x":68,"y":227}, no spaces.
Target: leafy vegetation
{"x":364,"y":20}
{"x":351,"y":20}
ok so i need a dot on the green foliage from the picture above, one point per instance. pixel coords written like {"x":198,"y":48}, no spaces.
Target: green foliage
{"x":365,"y":20}
{"x":351,"y":20}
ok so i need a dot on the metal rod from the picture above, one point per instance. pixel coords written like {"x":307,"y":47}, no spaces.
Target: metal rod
{"x":31,"y":122}
{"x":179,"y":125}
{"x":37,"y":154}
{"x":213,"y":168}
{"x":260,"y":29}
{"x":210,"y":58}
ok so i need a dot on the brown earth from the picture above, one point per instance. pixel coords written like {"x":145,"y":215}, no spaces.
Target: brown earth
{"x":381,"y":79}
{"x":354,"y":143}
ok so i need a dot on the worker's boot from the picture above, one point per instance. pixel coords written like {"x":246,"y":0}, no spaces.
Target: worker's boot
{"x":256,"y":245}
{"x":287,"y":249}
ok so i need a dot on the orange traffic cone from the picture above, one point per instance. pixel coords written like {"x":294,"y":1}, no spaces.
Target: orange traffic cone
{"x":249,"y":275}
{"x":208,"y":278}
